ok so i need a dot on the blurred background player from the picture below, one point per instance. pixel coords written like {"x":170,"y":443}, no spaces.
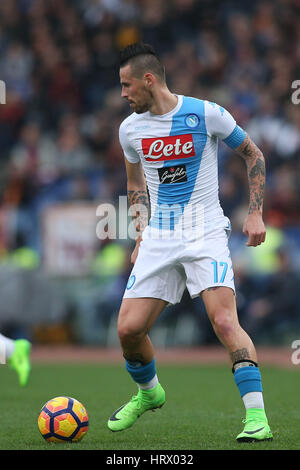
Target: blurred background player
{"x":170,"y":145}
{"x":17,"y":355}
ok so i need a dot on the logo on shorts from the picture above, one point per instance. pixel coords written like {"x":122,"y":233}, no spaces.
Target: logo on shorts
{"x":168,"y":148}
{"x":130,"y":282}
{"x":172,"y":174}
{"x":192,"y":120}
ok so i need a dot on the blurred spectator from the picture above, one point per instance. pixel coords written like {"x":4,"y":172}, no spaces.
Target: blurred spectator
{"x":276,"y":309}
{"x":73,"y":156}
{"x":33,"y":160}
{"x":16,"y":68}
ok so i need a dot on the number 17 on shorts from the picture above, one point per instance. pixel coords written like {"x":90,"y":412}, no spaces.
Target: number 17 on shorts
{"x":220,"y":270}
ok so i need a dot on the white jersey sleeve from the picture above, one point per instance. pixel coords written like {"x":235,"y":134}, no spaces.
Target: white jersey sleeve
{"x":220,"y":123}
{"x":129,"y":152}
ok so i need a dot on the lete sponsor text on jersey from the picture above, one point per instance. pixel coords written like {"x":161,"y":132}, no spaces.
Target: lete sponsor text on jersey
{"x":168,"y":148}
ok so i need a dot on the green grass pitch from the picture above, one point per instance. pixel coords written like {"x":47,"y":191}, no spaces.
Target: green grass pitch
{"x":203,"y":410}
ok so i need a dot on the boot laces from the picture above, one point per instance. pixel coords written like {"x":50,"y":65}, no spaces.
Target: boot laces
{"x":133,"y":405}
{"x":252,"y":422}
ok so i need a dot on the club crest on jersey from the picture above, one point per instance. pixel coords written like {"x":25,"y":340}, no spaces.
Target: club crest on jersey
{"x":168,"y":148}
{"x":192,"y":120}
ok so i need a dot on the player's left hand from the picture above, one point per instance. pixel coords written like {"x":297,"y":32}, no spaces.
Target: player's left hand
{"x":254,"y":228}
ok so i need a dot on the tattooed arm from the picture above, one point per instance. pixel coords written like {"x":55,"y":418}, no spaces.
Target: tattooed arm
{"x":254,"y":226}
{"x":138,"y":201}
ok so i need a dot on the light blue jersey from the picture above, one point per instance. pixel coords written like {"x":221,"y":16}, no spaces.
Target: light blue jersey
{"x":178,"y":151}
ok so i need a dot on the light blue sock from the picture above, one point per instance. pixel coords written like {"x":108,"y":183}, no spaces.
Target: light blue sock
{"x":248,"y":381}
{"x":142,"y":373}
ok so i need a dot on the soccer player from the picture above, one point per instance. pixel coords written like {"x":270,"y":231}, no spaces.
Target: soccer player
{"x":170,"y":148}
{"x":17,"y":354}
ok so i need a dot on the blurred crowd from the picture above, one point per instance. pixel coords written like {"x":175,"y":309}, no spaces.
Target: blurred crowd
{"x":59,"y":126}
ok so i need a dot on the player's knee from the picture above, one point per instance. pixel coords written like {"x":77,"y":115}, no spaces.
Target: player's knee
{"x":223,"y":323}
{"x":129,"y":333}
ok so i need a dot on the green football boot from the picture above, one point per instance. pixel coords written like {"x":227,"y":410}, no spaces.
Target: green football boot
{"x":19,"y":361}
{"x":145,"y":400}
{"x":256,"y":427}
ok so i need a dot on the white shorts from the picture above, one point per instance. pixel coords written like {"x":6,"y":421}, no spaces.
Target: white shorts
{"x":166,"y":266}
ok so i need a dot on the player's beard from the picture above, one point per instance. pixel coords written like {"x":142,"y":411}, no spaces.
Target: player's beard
{"x":140,"y":109}
{"x":143,"y":107}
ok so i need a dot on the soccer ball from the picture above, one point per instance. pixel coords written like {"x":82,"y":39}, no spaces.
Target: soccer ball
{"x":63,"y":419}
